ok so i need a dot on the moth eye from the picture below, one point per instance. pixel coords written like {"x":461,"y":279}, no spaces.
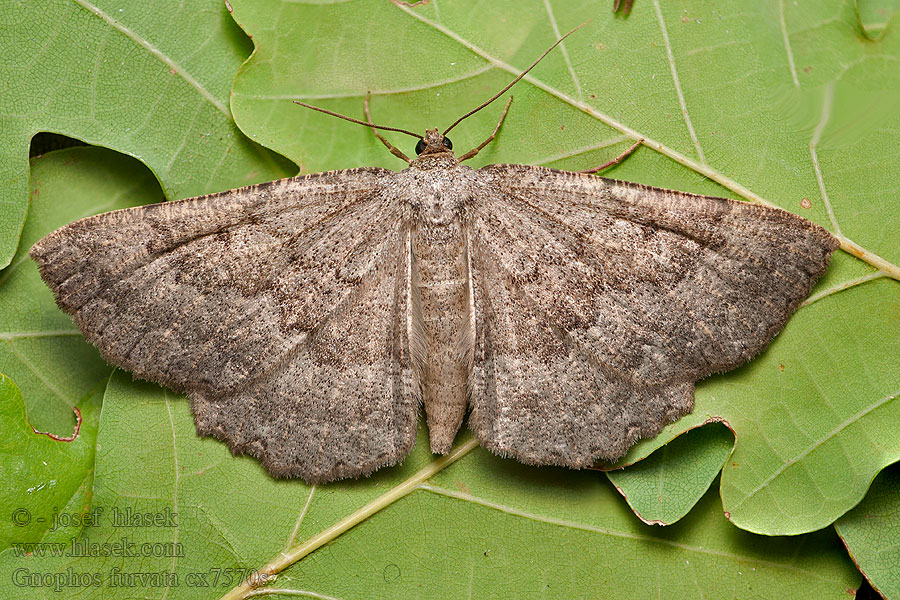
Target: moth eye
{"x":420,"y":147}
{"x":448,"y":144}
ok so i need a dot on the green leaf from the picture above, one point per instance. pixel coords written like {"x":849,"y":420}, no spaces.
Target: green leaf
{"x":663,"y":487}
{"x":760,"y":102}
{"x":44,"y":475}
{"x":484,"y":527}
{"x":871,"y":530}
{"x":150,"y":79}
{"x":821,"y":403}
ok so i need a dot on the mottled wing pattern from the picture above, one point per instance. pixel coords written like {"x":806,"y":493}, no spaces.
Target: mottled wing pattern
{"x":340,"y":404}
{"x":248,"y":301}
{"x":541,"y":399}
{"x":598,"y":304}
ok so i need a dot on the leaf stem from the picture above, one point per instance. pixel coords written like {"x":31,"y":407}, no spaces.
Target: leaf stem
{"x":288,"y":558}
{"x":888,"y":268}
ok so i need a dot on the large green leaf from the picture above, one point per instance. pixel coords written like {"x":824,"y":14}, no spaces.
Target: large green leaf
{"x":150,"y":79}
{"x":483,"y":527}
{"x":821,"y":403}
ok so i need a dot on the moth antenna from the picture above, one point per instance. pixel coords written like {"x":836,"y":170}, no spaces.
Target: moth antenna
{"x":516,"y":80}
{"x":352,"y":120}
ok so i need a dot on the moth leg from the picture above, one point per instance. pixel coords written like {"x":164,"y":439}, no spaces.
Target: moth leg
{"x":625,"y":6}
{"x":616,"y":160}
{"x":394,"y":150}
{"x":475,"y":151}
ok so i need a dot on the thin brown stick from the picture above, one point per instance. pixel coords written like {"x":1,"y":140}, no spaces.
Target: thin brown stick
{"x":514,"y":81}
{"x":614,"y":161}
{"x":475,"y":151}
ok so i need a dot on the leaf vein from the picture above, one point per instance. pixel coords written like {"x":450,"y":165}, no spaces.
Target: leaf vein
{"x":612,"y":533}
{"x":787,"y":43}
{"x":828,"y":436}
{"x":562,"y":48}
{"x":677,"y":83}
{"x":157,"y":53}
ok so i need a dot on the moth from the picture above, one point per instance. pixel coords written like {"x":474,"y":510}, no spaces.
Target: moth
{"x":308,"y":319}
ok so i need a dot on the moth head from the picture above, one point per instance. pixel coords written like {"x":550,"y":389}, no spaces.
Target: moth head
{"x":433,"y":142}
